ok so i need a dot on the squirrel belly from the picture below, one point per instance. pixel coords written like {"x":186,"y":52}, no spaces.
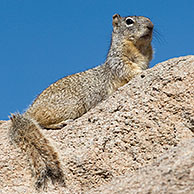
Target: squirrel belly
{"x":72,"y":96}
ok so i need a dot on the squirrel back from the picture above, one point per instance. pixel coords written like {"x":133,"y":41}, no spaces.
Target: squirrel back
{"x":72,"y":96}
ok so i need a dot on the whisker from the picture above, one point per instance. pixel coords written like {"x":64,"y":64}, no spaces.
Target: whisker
{"x":158,"y":36}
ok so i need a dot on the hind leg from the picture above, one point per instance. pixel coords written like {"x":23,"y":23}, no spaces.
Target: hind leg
{"x":1,"y":122}
{"x":58,"y":125}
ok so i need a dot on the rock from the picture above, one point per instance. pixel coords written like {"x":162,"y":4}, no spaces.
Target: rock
{"x":173,"y":172}
{"x":138,"y":140}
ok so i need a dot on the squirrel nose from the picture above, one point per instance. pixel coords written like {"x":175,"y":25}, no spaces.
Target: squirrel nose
{"x":150,"y":26}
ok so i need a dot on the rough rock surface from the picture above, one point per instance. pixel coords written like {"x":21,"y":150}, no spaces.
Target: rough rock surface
{"x":172,"y":173}
{"x":139,"y":140}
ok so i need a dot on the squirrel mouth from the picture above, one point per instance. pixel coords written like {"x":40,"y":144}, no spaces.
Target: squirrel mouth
{"x":146,"y":36}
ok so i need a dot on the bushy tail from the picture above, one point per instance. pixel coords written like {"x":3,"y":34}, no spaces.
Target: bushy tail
{"x":45,"y":164}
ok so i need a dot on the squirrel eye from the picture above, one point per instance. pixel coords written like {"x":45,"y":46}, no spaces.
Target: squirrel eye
{"x":129,"y":21}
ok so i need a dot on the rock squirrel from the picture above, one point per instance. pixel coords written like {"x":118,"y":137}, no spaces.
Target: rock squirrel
{"x":72,"y":96}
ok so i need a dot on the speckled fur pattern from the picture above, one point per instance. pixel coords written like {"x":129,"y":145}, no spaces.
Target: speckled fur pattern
{"x":72,"y":96}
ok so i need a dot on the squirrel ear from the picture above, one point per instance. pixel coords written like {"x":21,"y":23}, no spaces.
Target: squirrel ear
{"x":115,"y":19}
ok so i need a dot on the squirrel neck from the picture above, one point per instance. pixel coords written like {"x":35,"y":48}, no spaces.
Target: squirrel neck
{"x":126,"y":54}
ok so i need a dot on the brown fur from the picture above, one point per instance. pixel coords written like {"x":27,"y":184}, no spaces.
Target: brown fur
{"x":72,"y":96}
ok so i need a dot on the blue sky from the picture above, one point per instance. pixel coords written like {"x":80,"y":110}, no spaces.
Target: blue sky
{"x":44,"y":40}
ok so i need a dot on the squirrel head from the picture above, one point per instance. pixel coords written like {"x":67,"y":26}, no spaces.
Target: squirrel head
{"x":137,"y":29}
